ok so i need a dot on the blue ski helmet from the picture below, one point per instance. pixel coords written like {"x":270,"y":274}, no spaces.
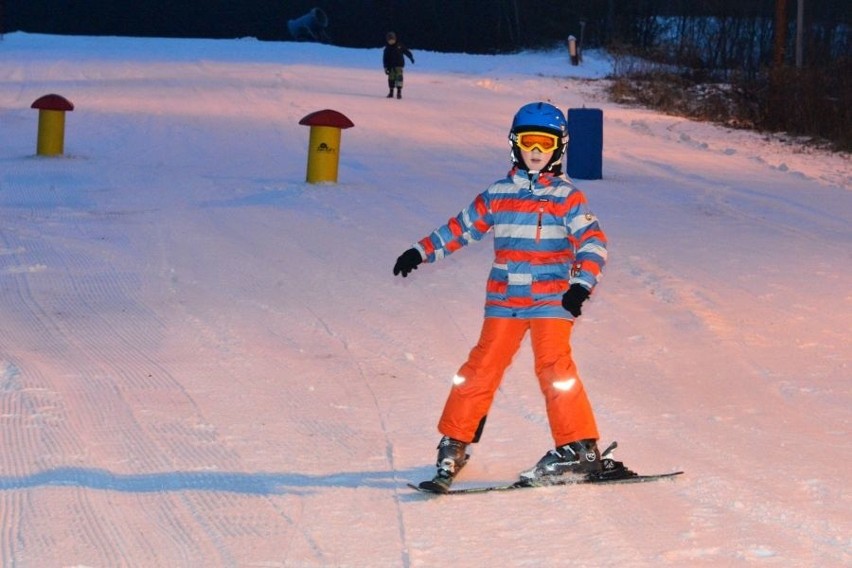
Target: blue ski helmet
{"x":545,"y":117}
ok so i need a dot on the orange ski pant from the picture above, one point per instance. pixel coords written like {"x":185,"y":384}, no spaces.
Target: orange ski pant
{"x":569,"y":412}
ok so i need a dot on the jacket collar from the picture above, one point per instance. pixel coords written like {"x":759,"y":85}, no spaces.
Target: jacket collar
{"x":523,"y":177}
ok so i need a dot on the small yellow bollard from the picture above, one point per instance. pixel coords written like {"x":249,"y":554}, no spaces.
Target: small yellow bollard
{"x":324,"y":144}
{"x":51,"y":124}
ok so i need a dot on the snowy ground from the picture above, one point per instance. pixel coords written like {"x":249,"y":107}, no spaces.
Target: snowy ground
{"x":205,"y":361}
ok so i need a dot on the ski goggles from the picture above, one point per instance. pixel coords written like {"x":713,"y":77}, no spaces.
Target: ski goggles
{"x":544,"y":141}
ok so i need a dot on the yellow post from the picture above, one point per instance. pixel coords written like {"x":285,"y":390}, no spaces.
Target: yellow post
{"x":51,"y":124}
{"x":324,"y":144}
{"x":323,"y":154}
{"x":51,"y":132}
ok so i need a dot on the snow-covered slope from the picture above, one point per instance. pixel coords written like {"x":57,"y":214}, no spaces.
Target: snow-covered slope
{"x":205,"y":361}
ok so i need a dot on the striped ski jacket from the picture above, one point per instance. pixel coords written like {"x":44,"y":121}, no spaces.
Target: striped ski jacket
{"x":545,"y":239}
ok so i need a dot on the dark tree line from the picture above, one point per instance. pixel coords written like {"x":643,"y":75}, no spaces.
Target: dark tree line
{"x":717,"y":32}
{"x":795,"y":75}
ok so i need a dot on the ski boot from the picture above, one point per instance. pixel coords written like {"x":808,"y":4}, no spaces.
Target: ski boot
{"x":582,"y":459}
{"x":451,"y":458}
{"x":576,"y":458}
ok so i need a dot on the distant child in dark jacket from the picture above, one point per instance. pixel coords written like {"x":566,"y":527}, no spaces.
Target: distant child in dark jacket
{"x":394,"y":62}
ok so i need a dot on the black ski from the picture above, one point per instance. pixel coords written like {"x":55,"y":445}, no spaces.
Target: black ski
{"x":438,"y":489}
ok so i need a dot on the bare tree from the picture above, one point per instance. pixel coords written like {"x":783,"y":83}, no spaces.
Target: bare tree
{"x":800,"y":17}
{"x":508,"y":15}
{"x":780,"y":33}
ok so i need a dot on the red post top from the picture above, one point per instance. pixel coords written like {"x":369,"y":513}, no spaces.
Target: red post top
{"x":52,"y":102}
{"x":327,"y":117}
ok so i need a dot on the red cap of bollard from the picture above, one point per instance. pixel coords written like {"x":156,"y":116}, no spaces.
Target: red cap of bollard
{"x":52,"y":102}
{"x":327,"y":117}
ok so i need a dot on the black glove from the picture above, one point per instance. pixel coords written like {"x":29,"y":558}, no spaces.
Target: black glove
{"x":387,"y":71}
{"x":573,"y":299}
{"x":407,"y":262}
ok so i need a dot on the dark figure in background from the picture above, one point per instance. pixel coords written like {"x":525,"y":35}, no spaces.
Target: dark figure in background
{"x":394,"y":62}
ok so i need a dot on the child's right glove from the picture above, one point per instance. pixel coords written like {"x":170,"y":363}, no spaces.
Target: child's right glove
{"x":387,"y":70}
{"x":573,"y":299}
{"x":407,"y":262}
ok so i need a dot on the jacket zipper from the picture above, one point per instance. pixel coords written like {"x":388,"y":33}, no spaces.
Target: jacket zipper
{"x":540,"y":215}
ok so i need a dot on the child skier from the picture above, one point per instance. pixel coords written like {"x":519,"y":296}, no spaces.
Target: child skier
{"x":394,"y":62}
{"x":548,"y":255}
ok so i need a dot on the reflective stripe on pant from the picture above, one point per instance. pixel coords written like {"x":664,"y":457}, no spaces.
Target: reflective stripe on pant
{"x":568,"y":409}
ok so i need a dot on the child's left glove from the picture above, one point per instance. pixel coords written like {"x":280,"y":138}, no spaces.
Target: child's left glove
{"x":573,"y":299}
{"x":387,"y":70}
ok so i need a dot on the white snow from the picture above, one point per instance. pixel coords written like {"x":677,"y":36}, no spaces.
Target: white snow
{"x":206,"y":361}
